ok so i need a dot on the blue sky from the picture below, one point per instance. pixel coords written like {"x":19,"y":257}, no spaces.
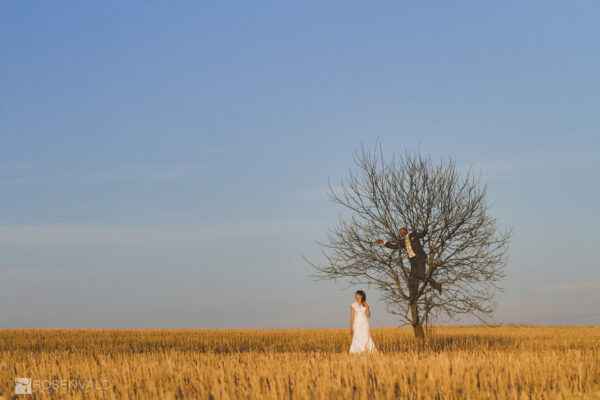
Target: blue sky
{"x":165,"y":165}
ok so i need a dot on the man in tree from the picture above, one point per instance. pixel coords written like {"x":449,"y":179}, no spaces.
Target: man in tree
{"x":416,"y":255}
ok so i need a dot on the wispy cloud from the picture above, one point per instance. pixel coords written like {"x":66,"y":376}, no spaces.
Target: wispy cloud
{"x":509,"y":170}
{"x":224,"y":149}
{"x":320,"y":192}
{"x":549,"y":165}
{"x":131,"y":172}
{"x":14,"y":165}
{"x":14,"y":174}
{"x":493,"y":167}
{"x":145,"y":172}
{"x":15,"y":182}
{"x":573,"y":287}
{"x":88,"y":234}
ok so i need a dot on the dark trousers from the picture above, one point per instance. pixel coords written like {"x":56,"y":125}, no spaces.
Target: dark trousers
{"x":418,"y":270}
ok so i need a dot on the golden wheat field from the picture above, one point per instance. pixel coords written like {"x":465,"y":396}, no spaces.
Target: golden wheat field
{"x":455,"y":362}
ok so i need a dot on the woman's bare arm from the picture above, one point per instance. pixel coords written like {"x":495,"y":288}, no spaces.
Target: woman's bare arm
{"x":368,"y":309}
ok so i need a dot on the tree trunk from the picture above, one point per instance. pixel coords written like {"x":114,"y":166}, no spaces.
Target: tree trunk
{"x":419,"y":333}
{"x":416,"y":321}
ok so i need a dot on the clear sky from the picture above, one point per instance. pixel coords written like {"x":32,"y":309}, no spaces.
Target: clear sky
{"x":164,"y":164}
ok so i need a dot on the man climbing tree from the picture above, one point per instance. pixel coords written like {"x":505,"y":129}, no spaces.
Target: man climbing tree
{"x":416,"y":255}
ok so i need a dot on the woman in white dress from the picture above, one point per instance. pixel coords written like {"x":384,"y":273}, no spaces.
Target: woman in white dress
{"x":359,"y":325}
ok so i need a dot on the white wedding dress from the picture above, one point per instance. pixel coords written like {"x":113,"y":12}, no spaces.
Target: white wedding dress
{"x":361,"y":340}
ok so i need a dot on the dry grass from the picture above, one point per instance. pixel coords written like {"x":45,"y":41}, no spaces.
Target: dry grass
{"x":457,"y":362}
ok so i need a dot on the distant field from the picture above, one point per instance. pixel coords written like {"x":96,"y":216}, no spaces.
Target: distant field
{"x":457,"y":362}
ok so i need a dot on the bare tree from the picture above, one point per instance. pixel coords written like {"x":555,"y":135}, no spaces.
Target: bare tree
{"x":466,"y":251}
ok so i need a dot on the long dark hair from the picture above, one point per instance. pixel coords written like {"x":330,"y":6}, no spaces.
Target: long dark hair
{"x":363,"y":294}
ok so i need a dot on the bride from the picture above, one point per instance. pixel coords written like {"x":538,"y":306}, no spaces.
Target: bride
{"x":359,"y":325}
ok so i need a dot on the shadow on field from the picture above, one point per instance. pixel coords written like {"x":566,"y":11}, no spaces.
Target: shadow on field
{"x":446,"y":343}
{"x":387,"y":340}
